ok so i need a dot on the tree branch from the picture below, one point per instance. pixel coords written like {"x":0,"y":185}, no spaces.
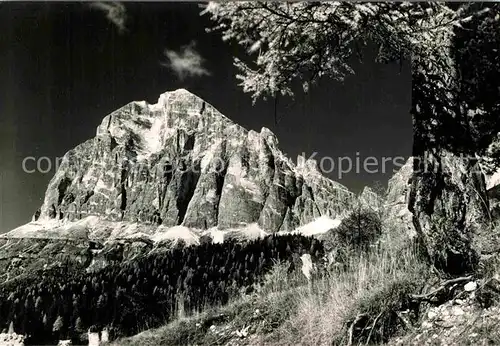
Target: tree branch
{"x":427,"y":296}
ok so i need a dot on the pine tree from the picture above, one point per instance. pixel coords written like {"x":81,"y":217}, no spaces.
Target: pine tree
{"x":58,"y":324}
{"x":79,"y":325}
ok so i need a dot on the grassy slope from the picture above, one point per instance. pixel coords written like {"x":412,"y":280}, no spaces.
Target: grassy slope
{"x":349,"y":304}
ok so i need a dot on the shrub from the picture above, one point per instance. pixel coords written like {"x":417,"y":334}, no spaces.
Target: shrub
{"x":358,"y":233}
{"x":360,"y":229}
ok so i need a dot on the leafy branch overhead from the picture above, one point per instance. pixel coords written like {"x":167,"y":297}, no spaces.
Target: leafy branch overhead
{"x":307,"y":41}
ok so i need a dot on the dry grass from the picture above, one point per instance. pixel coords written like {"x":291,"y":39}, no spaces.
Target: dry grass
{"x":288,"y":310}
{"x":368,"y":288}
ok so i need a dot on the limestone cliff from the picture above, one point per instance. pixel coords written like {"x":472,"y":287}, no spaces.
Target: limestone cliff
{"x":180,"y":162}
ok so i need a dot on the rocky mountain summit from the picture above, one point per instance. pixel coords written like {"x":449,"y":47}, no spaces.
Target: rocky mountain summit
{"x":178,"y":171}
{"x":181,"y":163}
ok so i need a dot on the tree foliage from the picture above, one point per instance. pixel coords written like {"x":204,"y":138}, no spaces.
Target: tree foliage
{"x":309,"y":40}
{"x":358,"y":233}
{"x":361,"y":228}
{"x":451,"y":48}
{"x":478,"y":60}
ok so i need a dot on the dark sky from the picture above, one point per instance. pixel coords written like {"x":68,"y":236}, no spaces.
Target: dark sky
{"x":63,"y":67}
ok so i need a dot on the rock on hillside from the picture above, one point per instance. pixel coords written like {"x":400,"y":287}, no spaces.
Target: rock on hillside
{"x":180,"y":162}
{"x":397,"y":198}
{"x":490,"y":165}
{"x":435,"y":206}
{"x":11,"y":339}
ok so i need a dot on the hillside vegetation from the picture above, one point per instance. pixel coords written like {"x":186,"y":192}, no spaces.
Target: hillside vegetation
{"x":365,"y":298}
{"x":380,"y":291}
{"x":145,"y":291}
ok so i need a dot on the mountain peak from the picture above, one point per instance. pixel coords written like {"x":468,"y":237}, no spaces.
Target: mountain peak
{"x":180,"y":162}
{"x":178,"y":93}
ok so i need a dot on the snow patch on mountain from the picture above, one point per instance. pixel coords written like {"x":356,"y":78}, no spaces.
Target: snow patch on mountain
{"x":175,"y":233}
{"x":321,"y":225}
{"x":95,"y":228}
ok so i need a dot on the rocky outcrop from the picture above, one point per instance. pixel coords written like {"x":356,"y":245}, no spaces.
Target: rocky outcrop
{"x":448,"y":195}
{"x":372,"y":200}
{"x":397,"y":197}
{"x":450,"y":209}
{"x":490,"y":165}
{"x":181,"y":162}
{"x":443,"y":200}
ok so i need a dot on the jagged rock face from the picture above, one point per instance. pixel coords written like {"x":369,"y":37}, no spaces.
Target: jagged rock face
{"x":397,"y":199}
{"x":448,"y":195}
{"x":371,"y":199}
{"x":449,"y":209}
{"x":181,"y":162}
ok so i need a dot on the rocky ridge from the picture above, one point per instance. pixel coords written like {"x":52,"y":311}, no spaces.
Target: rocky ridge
{"x":181,"y":163}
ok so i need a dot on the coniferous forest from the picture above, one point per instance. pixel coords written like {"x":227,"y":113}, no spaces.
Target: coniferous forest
{"x":65,"y":302}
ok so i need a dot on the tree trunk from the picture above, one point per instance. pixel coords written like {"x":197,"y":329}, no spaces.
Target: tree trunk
{"x":448,"y":195}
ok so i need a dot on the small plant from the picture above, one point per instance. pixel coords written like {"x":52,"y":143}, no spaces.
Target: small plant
{"x":280,"y":278}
